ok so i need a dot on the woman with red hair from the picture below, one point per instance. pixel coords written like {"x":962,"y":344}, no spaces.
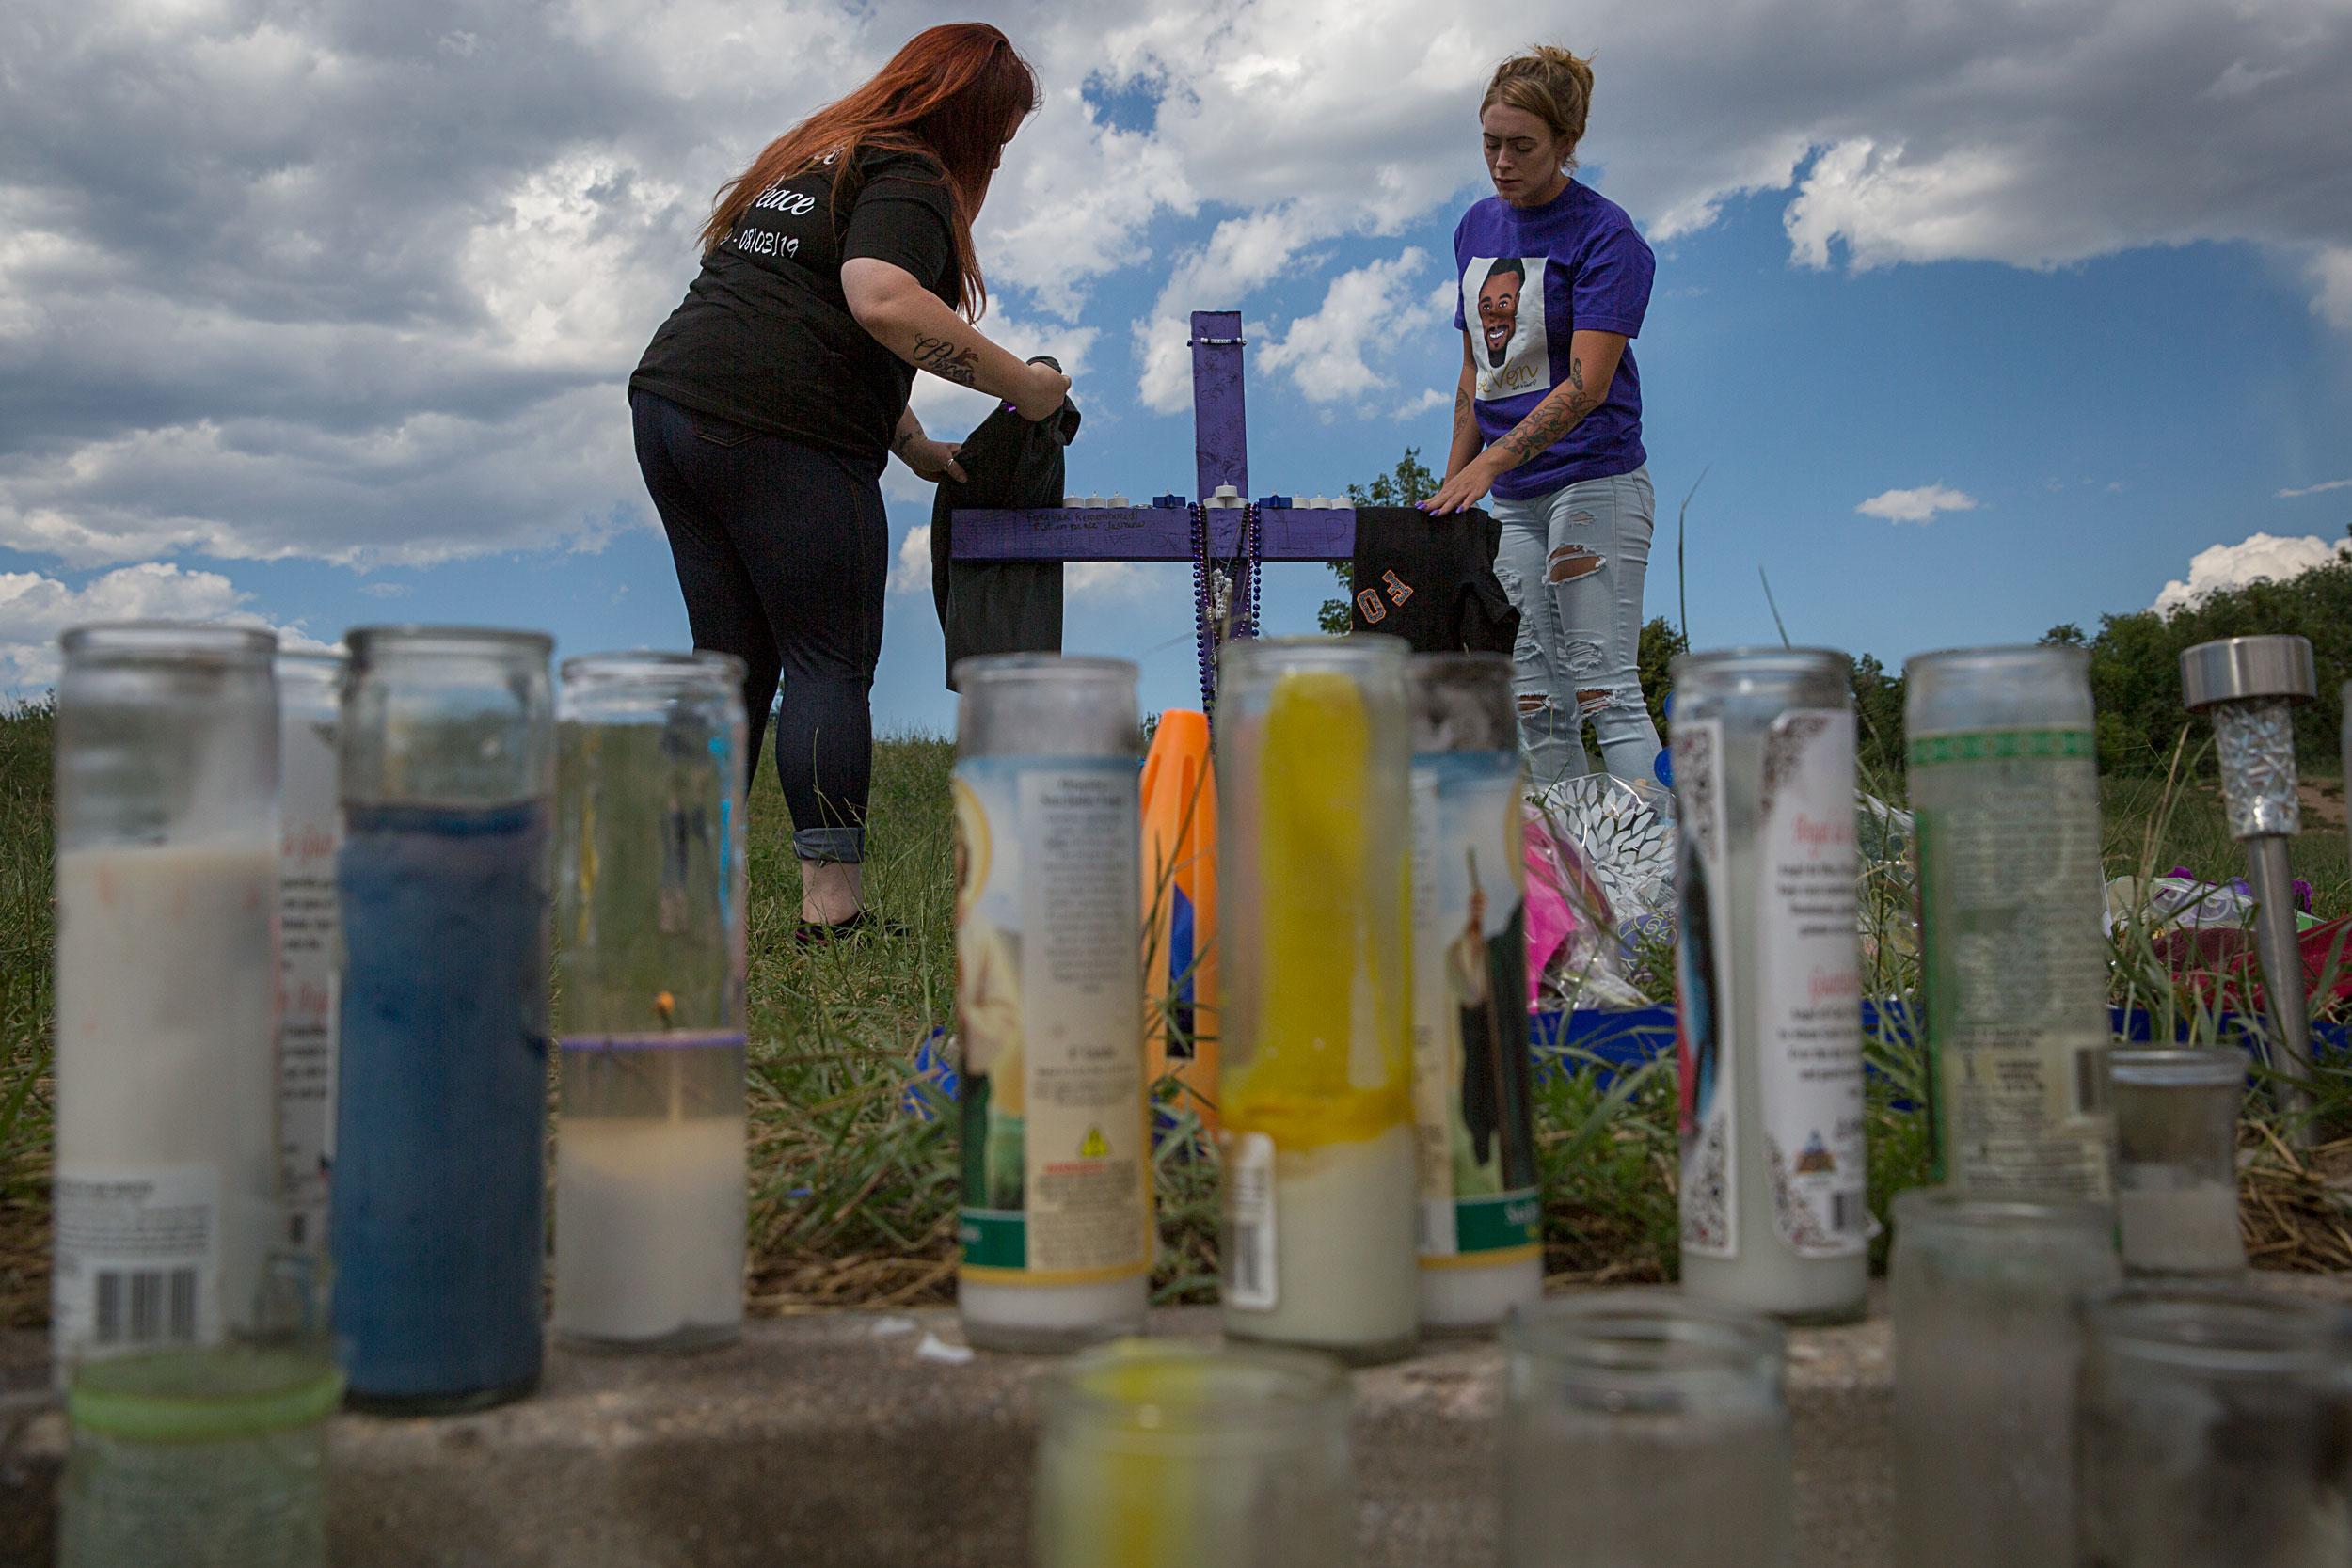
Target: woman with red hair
{"x":833,"y":267}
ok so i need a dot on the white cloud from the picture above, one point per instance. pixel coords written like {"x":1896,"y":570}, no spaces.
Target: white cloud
{"x":1369,"y":306}
{"x":378,"y":306}
{"x":386,"y":590}
{"x":1241,"y":255}
{"x":2320,"y":489}
{"x":2332,"y":277}
{"x":2260,"y":556}
{"x":34,"y":610}
{"x":1413,"y":408}
{"x":913,"y":574}
{"x":1917,"y":506}
{"x":1107,"y":579}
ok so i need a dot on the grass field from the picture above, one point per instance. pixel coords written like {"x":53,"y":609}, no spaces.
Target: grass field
{"x":853,"y":1192}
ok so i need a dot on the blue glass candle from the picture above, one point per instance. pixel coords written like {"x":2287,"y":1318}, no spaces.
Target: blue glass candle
{"x":439,"y":1174}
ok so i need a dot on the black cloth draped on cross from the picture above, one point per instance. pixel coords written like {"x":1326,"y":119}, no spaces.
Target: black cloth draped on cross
{"x":1431,"y":580}
{"x":1001,"y":607}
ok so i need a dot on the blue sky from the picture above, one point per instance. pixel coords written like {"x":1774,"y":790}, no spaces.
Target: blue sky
{"x":279,"y":379}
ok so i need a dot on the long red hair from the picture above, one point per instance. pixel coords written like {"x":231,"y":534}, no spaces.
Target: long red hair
{"x":955,"y":94}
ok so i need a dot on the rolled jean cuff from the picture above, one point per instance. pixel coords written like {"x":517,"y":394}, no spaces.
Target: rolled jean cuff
{"x":844,"y":845}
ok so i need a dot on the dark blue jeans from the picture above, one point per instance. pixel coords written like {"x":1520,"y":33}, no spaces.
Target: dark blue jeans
{"x":783,"y":552}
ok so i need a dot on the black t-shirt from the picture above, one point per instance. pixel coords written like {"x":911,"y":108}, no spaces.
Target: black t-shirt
{"x":1431,"y":580}
{"x":764,"y":337}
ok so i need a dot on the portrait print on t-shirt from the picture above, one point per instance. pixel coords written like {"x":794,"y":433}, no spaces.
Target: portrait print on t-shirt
{"x":1504,"y":297}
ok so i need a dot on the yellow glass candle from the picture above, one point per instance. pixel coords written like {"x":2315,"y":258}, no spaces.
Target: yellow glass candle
{"x":1318,"y":1110}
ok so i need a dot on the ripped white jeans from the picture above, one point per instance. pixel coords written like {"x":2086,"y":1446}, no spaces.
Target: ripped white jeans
{"x":1572,"y":562}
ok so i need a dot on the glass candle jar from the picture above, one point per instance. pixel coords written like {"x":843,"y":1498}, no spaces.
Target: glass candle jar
{"x":2215,"y":1428}
{"x":1320,"y":1165}
{"x":1057,"y":1215}
{"x":1644,"y":1428}
{"x":1169,"y":1454}
{"x":1769,"y":984}
{"x":166,"y":1193}
{"x":200,"y":1459}
{"x":1481,"y":1213}
{"x":310,"y":821}
{"x":441,"y":1112}
{"x":650,"y":887}
{"x":1987,"y":1294}
{"x":2004,"y":778}
{"x":2176,"y":1159}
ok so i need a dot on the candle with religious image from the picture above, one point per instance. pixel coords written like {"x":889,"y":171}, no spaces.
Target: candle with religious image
{"x":1481,"y":1213}
{"x":1320,"y":1156}
{"x":1057,"y":1218}
{"x":1768,"y":971}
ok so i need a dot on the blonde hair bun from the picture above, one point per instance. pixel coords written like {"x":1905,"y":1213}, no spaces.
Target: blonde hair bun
{"x":1551,"y":83}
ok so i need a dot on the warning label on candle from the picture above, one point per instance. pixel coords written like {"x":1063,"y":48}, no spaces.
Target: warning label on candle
{"x":1809,"y":1012}
{"x":1056,"y":1182}
{"x":137,"y":1258}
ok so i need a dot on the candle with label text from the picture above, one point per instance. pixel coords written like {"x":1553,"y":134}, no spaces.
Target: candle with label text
{"x":1057,"y":1218}
{"x":1768,"y":972}
{"x":310,"y":929}
{"x":1321,"y":1169}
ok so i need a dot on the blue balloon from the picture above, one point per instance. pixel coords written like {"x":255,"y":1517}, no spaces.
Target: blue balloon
{"x":1664,"y":767}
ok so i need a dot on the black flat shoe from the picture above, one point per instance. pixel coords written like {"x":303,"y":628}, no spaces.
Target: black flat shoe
{"x":817,"y":933}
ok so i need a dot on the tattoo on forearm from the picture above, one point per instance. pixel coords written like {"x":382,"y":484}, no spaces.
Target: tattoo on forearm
{"x":1462,"y":412}
{"x":942,"y":359}
{"x":1552,"y":418}
{"x":907,"y":437}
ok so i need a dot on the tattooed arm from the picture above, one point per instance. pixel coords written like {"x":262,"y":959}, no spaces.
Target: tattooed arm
{"x":912,"y":323}
{"x":1464,"y":444}
{"x":1592,"y":366}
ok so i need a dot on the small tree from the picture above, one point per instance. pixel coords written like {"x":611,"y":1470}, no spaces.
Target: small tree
{"x":1408,"y":484}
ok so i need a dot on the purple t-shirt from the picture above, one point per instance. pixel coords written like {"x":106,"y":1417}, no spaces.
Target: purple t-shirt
{"x":1529,"y":278}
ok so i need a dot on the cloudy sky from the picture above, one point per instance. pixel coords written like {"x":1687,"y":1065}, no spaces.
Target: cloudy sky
{"x":1977,"y":315}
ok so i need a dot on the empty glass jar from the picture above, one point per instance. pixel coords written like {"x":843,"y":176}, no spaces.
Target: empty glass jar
{"x":1644,"y":1428}
{"x":1987,"y":1342}
{"x":2176,"y":1159}
{"x":2216,"y":1430}
{"x":1169,"y":1454}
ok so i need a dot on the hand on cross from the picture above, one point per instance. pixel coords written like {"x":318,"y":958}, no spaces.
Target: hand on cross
{"x":1464,"y":487}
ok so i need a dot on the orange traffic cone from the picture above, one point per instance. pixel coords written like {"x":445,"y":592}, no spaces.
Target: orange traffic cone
{"x":1180,"y":912}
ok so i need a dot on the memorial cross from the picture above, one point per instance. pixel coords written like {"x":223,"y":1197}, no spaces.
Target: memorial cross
{"x":1223,"y":531}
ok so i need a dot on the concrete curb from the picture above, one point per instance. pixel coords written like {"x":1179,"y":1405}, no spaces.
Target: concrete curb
{"x":869,"y":1440}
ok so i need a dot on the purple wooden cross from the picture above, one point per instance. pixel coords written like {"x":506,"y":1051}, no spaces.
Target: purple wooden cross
{"x":1221,"y":454}
{"x":1165,"y":531}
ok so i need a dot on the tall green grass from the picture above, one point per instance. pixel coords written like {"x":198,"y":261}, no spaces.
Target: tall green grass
{"x":853,"y":1157}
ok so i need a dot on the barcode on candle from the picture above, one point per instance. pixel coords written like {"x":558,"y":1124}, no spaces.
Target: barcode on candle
{"x":145,"y":1307}
{"x":137,"y":1256}
{"x":1248,"y":1240}
{"x":1846,"y":1213}
{"x":2091,"y":1080}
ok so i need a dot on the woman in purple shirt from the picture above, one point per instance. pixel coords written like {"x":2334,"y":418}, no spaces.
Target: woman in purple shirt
{"x":1554,"y":284}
